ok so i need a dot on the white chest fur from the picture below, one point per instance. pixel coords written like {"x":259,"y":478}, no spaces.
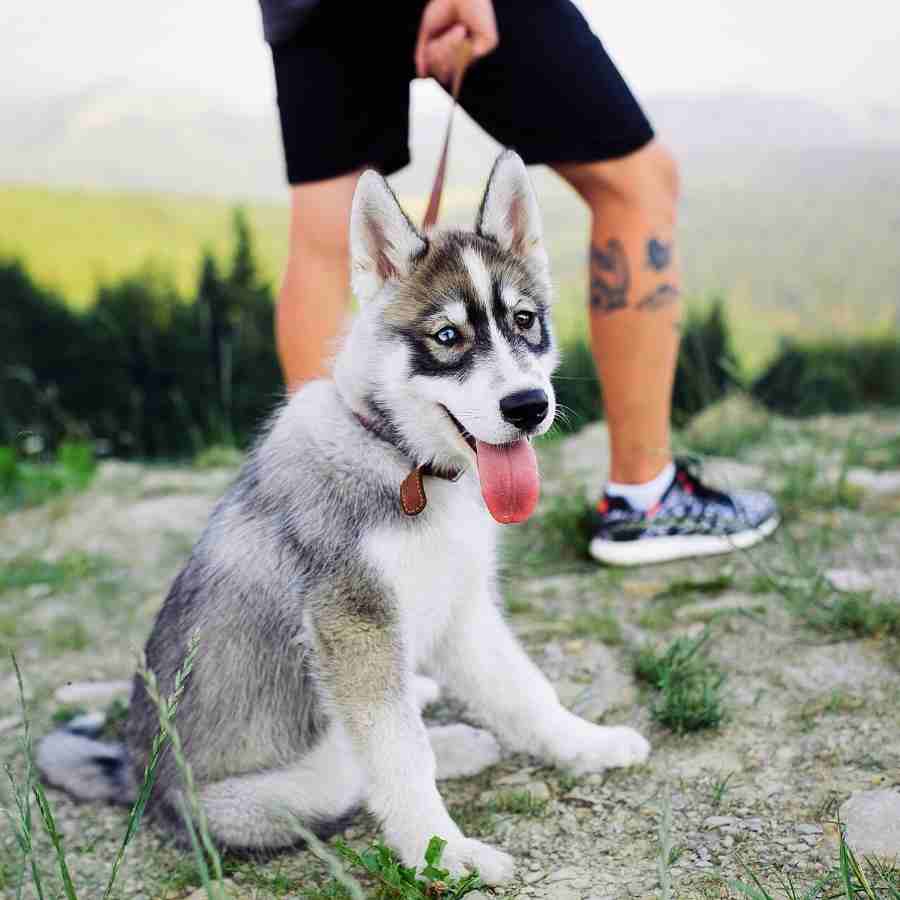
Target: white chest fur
{"x":446,"y":559}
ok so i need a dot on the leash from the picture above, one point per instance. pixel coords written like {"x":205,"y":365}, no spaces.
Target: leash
{"x":464,"y":52}
{"x":412,"y":489}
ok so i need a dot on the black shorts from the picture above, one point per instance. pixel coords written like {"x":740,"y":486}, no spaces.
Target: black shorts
{"x":549,"y":90}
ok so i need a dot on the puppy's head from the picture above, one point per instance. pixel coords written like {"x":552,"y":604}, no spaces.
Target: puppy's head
{"x":453,"y":349}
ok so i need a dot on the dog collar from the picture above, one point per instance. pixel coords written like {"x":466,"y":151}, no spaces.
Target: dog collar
{"x":412,"y":489}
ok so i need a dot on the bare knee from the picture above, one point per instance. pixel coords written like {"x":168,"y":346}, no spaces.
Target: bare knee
{"x":646,"y":179}
{"x":320,"y":224}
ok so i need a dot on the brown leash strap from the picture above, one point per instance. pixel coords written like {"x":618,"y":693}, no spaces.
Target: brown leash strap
{"x":412,"y":490}
{"x":463,"y":58}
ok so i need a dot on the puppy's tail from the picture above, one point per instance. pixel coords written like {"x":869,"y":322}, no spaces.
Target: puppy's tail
{"x":74,"y":760}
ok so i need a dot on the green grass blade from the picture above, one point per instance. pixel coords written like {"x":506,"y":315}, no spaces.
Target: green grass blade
{"x":22,"y":794}
{"x":199,"y":857}
{"x":55,"y":839}
{"x":137,"y":810}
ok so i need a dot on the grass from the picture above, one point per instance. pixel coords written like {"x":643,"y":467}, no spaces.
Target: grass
{"x":719,"y":789}
{"x":394,"y":880}
{"x":66,"y":633}
{"x":841,"y":615}
{"x":849,"y":879}
{"x":218,"y":456}
{"x":688,"y":685}
{"x":727,"y":428}
{"x":837,"y":703}
{"x":599,"y":626}
{"x":881,"y":454}
{"x":555,"y":540}
{"x":517,"y":803}
{"x":660,"y":613}
{"x":26,"y":483}
{"x":127,"y":229}
{"x":804,"y":487}
{"x":378,"y":865}
{"x":25,"y":571}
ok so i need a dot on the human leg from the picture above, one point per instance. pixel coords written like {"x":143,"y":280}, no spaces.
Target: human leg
{"x":635,"y":310}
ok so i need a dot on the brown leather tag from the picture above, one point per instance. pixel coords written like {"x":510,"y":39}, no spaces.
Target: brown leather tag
{"x":412,"y":493}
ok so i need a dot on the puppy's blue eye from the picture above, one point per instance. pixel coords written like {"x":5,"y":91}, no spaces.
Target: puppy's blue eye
{"x":447,"y":336}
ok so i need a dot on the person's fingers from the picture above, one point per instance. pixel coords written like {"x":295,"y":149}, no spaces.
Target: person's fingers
{"x":484,"y":32}
{"x":437,"y":17}
{"x":441,"y":53}
{"x":440,"y":19}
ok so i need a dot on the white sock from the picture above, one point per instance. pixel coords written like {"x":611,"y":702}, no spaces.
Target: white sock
{"x":643,"y":496}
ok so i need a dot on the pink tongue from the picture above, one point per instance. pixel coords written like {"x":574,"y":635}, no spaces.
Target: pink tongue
{"x":510,"y":483}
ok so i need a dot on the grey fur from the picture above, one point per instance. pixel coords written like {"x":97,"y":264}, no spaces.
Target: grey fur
{"x":265,"y":611}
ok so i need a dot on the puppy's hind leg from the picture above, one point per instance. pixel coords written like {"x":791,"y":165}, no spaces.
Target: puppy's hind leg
{"x":261,"y":811}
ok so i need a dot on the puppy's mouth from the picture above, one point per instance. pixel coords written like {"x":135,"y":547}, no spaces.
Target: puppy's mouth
{"x":510,"y":483}
{"x":466,"y":436}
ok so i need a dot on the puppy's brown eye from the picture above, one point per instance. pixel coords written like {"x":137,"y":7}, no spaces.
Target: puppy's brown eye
{"x":524,"y":319}
{"x":447,"y":337}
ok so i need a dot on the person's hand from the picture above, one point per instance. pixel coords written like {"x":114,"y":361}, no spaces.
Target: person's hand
{"x":445,"y":25}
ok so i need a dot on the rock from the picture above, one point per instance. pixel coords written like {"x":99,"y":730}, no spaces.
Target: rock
{"x":718,"y":821}
{"x":872,"y":824}
{"x":885,"y":582}
{"x":534,"y":877}
{"x":809,"y":829}
{"x":461,"y":751}
{"x":538,"y":790}
{"x":87,"y":724}
{"x":92,"y":693}
{"x":520,"y":776}
{"x":882,"y":484}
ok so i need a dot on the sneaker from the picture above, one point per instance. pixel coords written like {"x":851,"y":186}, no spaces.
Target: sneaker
{"x":690,"y":519}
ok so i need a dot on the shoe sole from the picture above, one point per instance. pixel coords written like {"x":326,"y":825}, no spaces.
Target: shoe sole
{"x":665,"y":549}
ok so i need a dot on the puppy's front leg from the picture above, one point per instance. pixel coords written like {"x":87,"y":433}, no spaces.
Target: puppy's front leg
{"x":482,"y":663}
{"x":368,"y":683}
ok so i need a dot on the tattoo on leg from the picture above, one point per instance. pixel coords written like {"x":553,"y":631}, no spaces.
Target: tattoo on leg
{"x":659,"y":254}
{"x":610,"y":278}
{"x":664,"y":295}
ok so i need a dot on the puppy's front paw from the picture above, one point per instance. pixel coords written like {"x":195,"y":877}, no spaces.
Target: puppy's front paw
{"x":465,"y":854}
{"x":593,"y":748}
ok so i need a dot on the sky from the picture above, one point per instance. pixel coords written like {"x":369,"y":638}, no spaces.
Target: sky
{"x":842,"y":54}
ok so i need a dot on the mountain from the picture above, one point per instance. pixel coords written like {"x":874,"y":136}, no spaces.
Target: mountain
{"x":118,"y":136}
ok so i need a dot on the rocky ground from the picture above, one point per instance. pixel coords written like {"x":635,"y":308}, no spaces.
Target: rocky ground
{"x":811,"y":696}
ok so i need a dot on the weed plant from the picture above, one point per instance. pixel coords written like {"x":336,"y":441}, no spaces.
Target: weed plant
{"x":27,"y":483}
{"x":688,"y":685}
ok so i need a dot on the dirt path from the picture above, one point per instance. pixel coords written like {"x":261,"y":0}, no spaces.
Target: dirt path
{"x":812,"y":703}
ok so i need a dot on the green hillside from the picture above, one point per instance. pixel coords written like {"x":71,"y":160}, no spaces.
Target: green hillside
{"x":72,"y":240}
{"x":798,"y":244}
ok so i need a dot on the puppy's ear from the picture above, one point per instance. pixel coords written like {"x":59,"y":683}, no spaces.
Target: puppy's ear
{"x":509,"y":212}
{"x":383,"y":241}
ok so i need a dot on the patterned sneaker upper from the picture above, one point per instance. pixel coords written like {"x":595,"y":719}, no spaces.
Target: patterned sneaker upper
{"x":688,"y":507}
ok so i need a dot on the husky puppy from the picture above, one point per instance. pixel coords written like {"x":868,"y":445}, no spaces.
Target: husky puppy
{"x":317,"y":594}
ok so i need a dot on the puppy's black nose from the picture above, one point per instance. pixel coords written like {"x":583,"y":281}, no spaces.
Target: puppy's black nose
{"x":525,"y":409}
